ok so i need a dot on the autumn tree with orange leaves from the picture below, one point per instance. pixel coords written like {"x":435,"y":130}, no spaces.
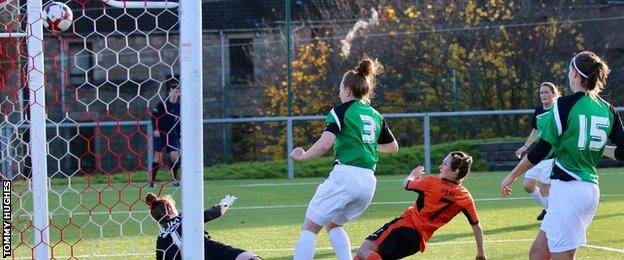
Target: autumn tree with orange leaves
{"x":496,"y":52}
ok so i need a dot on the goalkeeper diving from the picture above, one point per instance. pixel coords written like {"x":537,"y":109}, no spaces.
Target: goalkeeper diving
{"x":169,"y":241}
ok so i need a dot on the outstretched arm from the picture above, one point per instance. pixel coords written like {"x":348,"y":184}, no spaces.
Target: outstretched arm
{"x":212,"y":213}
{"x":478,"y":234}
{"x":219,"y":209}
{"x":322,"y":145}
{"x":525,"y":146}
{"x":520,"y":169}
{"x":536,"y":155}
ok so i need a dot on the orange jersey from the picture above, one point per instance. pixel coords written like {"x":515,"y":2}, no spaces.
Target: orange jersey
{"x":439,"y":200}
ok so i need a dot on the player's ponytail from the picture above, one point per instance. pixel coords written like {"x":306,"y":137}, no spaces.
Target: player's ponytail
{"x":159,"y":206}
{"x":150,"y":199}
{"x":593,"y":70}
{"x":361,"y":80}
{"x":462,"y":162}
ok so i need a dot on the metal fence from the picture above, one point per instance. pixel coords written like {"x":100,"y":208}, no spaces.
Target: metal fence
{"x":425,"y":116}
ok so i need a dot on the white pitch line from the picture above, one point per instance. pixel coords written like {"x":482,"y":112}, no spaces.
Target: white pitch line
{"x":356,"y":247}
{"x":605,"y":248}
{"x":297,"y":206}
{"x":501,"y":241}
{"x":97,"y":256}
{"x":275,"y":206}
{"x":276,"y":184}
{"x":318,"y":248}
{"x":268,"y":184}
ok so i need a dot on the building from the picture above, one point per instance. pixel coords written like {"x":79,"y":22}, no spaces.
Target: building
{"x":104,"y":74}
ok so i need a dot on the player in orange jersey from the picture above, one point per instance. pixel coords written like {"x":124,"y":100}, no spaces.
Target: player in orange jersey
{"x":439,"y":200}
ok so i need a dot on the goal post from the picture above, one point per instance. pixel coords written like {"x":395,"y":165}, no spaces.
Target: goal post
{"x":192,"y":127}
{"x":38,"y":144}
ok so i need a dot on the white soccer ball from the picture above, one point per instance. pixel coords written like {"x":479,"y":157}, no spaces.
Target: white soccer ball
{"x":57,"y":17}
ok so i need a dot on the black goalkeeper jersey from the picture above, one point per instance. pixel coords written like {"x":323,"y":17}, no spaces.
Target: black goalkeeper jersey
{"x":170,"y":237}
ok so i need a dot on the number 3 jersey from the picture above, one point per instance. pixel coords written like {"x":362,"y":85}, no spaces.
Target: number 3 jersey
{"x":359,"y":128}
{"x":578,"y":128}
{"x":439,"y":201}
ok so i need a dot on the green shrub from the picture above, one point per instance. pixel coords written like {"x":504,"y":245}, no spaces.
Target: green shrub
{"x":398,"y":163}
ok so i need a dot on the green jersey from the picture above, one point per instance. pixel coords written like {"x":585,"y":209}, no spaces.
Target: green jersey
{"x":577,"y":128}
{"x":358,"y":128}
{"x":540,"y":118}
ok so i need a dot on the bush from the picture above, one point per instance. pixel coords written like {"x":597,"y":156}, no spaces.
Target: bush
{"x":398,"y":163}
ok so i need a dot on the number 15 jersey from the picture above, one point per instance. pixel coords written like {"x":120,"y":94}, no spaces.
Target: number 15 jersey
{"x":578,"y":127}
{"x":359,"y":128}
{"x":439,"y":201}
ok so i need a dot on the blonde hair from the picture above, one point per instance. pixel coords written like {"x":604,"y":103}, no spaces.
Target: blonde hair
{"x":552,"y":88}
{"x":361,"y":80}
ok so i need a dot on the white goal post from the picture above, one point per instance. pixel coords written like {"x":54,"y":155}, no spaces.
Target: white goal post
{"x":192,"y":128}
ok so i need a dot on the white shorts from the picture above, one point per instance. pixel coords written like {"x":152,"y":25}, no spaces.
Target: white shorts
{"x":541,"y":171}
{"x":343,"y":196}
{"x":571,"y":208}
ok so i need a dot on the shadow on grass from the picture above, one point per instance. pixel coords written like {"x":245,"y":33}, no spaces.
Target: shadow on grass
{"x":608,"y":216}
{"x":447,"y":237}
{"x":319,"y":255}
{"x":534,"y":226}
{"x":281,"y":258}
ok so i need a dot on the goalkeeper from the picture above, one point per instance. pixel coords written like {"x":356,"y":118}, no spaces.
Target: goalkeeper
{"x":169,"y":241}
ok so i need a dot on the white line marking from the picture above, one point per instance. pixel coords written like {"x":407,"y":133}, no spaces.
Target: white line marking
{"x":452,"y":242}
{"x":318,"y":248}
{"x":291,"y":206}
{"x":605,"y":248}
{"x":276,"y":184}
{"x":300,"y":183}
{"x":98,"y":256}
{"x":268,"y":184}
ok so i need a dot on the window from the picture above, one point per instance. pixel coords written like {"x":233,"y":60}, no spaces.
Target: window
{"x":241,"y":61}
{"x":80,"y":62}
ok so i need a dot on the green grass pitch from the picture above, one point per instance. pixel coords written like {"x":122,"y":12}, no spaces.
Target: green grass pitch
{"x":268,"y":213}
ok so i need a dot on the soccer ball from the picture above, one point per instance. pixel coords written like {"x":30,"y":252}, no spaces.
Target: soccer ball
{"x":4,"y":3}
{"x":57,"y":17}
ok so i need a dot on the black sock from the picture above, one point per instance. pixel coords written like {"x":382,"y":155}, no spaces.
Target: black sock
{"x":155,"y":167}
{"x":176,"y":167}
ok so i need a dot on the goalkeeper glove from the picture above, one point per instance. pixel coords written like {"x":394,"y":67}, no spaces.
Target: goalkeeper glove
{"x":227,"y":201}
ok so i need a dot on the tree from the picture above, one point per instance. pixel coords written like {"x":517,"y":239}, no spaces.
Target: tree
{"x":500,"y":51}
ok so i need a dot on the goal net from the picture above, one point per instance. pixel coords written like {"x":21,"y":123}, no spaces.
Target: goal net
{"x":100,"y":80}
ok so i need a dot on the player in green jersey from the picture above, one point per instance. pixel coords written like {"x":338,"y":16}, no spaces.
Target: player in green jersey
{"x":578,"y":128}
{"x":357,"y":132}
{"x":548,"y":94}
